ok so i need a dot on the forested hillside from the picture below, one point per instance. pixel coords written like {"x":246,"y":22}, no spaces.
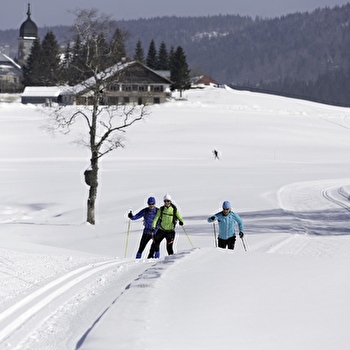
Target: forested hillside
{"x":302,"y":54}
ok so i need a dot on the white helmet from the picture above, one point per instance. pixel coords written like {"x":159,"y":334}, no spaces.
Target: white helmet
{"x":167,"y":197}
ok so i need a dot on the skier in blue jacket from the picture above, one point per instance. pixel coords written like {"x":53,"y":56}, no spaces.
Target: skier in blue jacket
{"x":226,"y":221}
{"x":148,"y":214}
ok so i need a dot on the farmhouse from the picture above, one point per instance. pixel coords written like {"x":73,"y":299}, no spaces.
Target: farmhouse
{"x":124,"y":83}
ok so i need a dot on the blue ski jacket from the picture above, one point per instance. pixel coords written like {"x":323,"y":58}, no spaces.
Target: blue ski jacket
{"x":148,"y":215}
{"x":227,"y":224}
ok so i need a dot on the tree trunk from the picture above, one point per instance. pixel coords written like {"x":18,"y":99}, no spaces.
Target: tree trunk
{"x":91,"y":205}
{"x":92,"y":192}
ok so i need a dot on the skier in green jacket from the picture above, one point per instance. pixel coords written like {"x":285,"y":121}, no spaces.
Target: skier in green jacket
{"x":166,"y":219}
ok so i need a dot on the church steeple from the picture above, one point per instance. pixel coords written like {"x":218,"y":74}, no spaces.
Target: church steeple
{"x":28,"y":32}
{"x":28,"y":28}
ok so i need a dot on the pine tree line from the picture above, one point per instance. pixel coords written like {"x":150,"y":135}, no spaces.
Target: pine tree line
{"x":174,"y":61}
{"x":43,"y":64}
{"x":48,"y":66}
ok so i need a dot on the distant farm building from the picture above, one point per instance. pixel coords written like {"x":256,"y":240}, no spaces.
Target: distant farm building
{"x":125,"y":83}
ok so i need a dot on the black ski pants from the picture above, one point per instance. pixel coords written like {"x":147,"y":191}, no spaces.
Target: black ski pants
{"x":145,"y":238}
{"x":229,"y":243}
{"x":160,"y":235}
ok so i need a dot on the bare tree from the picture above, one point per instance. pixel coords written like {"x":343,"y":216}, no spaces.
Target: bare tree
{"x":106,"y":123}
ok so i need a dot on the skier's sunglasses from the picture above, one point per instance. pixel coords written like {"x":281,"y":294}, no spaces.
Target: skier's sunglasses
{"x":226,"y":209}
{"x":166,"y":201}
{"x":151,"y":203}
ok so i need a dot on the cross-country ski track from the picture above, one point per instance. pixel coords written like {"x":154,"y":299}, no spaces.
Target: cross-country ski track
{"x":84,"y":295}
{"x":25,"y":318}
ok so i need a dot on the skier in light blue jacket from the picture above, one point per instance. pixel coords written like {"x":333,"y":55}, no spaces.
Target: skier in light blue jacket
{"x":226,"y":221}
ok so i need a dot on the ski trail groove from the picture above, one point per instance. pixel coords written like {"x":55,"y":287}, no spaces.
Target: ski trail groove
{"x":15,"y":316}
{"x":327,"y":194}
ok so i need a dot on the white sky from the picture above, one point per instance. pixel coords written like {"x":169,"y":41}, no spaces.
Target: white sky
{"x":46,"y":13}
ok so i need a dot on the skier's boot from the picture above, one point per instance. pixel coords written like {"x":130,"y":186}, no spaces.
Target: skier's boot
{"x":156,"y":255}
{"x":138,"y":256}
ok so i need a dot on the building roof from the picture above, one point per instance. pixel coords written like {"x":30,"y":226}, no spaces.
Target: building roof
{"x":55,"y":91}
{"x":28,"y":28}
{"x":42,"y":91}
{"x":109,"y":73}
{"x":7,"y":65}
{"x":203,"y":79}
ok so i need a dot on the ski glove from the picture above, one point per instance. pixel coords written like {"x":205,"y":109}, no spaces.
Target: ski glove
{"x":181,"y":223}
{"x":241,"y":234}
{"x":130,"y":215}
{"x":212,"y":218}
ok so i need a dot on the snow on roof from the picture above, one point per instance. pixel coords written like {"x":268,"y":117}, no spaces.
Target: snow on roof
{"x":43,"y":91}
{"x":5,"y":58}
{"x":91,"y":81}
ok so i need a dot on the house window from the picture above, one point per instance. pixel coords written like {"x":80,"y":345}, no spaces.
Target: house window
{"x":126,"y":100}
{"x":156,"y":100}
{"x":157,"y":88}
{"x":126,"y":87}
{"x":113,"y":88}
{"x":142,"y":88}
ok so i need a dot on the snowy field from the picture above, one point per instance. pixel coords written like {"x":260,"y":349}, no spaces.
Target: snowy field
{"x":285,"y":167}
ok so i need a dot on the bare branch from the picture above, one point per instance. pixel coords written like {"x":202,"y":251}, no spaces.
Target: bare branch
{"x":106,"y":124}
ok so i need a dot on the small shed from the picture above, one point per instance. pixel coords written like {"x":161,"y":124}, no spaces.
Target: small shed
{"x":41,"y":95}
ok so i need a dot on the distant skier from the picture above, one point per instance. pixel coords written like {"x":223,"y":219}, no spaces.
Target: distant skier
{"x":166,"y":218}
{"x":148,"y":214}
{"x":227,"y":220}
{"x":216,"y":154}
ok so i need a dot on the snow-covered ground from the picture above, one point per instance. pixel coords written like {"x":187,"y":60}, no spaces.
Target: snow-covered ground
{"x":284,"y":165}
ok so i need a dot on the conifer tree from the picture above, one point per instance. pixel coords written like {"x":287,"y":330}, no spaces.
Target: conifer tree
{"x":163,"y":59}
{"x":139,"y":53}
{"x":43,"y":64}
{"x":76,"y":70}
{"x":179,"y":72}
{"x":50,"y":74}
{"x":151,"y":60}
{"x":117,"y":46}
{"x":32,"y":68}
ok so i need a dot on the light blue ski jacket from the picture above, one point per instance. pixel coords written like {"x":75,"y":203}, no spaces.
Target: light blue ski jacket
{"x":227,"y":224}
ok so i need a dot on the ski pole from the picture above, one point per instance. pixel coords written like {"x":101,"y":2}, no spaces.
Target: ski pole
{"x":215,"y":241}
{"x":188,"y":237}
{"x":127,"y":239}
{"x":243,"y":243}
